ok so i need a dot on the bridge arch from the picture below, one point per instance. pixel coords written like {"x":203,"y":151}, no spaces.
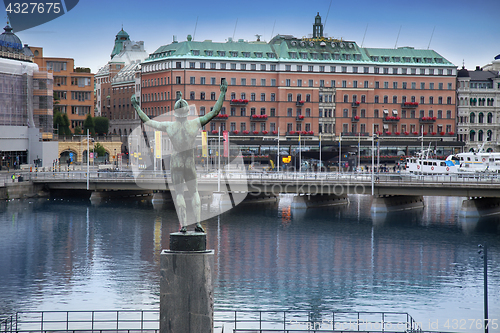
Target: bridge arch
{"x":64,"y":156}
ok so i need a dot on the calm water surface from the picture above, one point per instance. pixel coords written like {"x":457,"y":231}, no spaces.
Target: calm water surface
{"x":71,"y":255}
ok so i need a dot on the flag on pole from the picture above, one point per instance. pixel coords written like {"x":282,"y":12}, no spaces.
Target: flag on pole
{"x":158,"y":144}
{"x":204,"y":144}
{"x":225,"y":136}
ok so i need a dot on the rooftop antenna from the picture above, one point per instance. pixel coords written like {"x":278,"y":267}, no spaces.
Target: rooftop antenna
{"x":272,"y":32}
{"x":428,"y":46}
{"x":234,"y":32}
{"x":195,"y":25}
{"x":364,"y":35}
{"x":397,"y":38}
{"x":328,"y":12}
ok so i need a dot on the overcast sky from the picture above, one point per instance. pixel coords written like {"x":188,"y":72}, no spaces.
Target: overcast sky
{"x":464,"y":30}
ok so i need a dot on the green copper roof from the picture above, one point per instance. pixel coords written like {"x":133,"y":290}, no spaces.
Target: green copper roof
{"x":292,"y":49}
{"x":121,"y":37}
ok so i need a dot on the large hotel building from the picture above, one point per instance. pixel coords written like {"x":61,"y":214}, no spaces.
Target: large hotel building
{"x":307,"y":86}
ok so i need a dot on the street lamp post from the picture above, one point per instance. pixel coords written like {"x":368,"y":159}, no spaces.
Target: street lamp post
{"x":373,"y":152}
{"x":484,"y":251}
{"x":88,"y":158}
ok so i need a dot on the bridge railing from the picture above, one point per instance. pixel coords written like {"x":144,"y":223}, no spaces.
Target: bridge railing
{"x":235,"y":321}
{"x":128,"y":176}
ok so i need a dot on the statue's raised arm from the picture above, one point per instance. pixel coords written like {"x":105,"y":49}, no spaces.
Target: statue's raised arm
{"x":153,"y":123}
{"x":218,"y":105}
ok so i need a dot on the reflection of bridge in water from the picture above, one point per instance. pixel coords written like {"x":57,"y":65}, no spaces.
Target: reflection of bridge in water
{"x":391,"y":192}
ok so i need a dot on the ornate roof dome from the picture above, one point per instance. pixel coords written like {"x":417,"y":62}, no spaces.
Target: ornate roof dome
{"x":121,"y":37}
{"x":463,"y":72}
{"x":9,"y":41}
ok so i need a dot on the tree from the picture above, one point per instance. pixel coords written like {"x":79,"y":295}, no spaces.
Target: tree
{"x":64,"y":129}
{"x":99,"y":149}
{"x":101,"y":125}
{"x":77,"y":130}
{"x":89,"y":124}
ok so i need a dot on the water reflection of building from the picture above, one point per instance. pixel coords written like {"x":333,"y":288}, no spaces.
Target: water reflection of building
{"x":26,"y":106}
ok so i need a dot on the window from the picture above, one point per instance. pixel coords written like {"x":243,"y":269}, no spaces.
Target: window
{"x":346,"y":99}
{"x":395,"y":85}
{"x":202,"y":65}
{"x":394,"y":99}
{"x":377,"y":85}
{"x":414,"y":85}
{"x":344,"y":83}
{"x":290,"y":97}
{"x":299,"y":83}
{"x":222,"y":65}
{"x":440,"y":100}
{"x":233,"y":111}
{"x":321,"y":83}
{"x":243,"y":112}
{"x":191,"y":95}
{"x":202,"y":95}
{"x":354,"y":69}
{"x":299,"y":68}
{"x":177,"y":80}
{"x":345,"y":113}
{"x":431,"y":100}
{"x":321,"y":69}
{"x":366,"y":70}
{"x":273,"y":97}
{"x":253,"y":67}
{"x":450,"y":86}
{"x":422,"y":100}
{"x":344,"y":69}
{"x":310,"y":68}
{"x":263,"y":82}
{"x":431,"y":85}
{"x":311,"y":83}
{"x":365,"y":84}
{"x":212,"y":96}
{"x":252,"y":97}
{"x":332,"y":69}
{"x":440,"y":115}
{"x":272,"y":112}
{"x":233,"y":81}
{"x":192,"y":80}
{"x":213,"y":81}
{"x":354,"y":84}
{"x":386,"y":85}
{"x":253,"y":82}
{"x":212,"y":65}
{"x":243,"y":81}
{"x":289,"y":112}
{"x":273,"y":68}
{"x":233,"y":66}
{"x":263,"y":97}
{"x":273,"y":82}
{"x":448,"y":114}
{"x":243,"y":67}
{"x":288,"y":68}
{"x":287,"y":82}
{"x":376,"y":70}
{"x":262,"y":66}
{"x":386,"y":99}
{"x":191,"y":65}
{"x":376,"y":99}
{"x":202,"y":80}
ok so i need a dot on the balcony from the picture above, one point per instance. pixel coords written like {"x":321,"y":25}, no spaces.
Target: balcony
{"x":355,"y":134}
{"x":299,"y":103}
{"x":300,"y":133}
{"x":355,"y":104}
{"x":355,"y":119}
{"x":221,"y":117}
{"x":238,"y":102}
{"x":299,"y":118}
{"x":427,"y":120}
{"x":409,"y":105}
{"x":258,"y":117}
{"x":391,"y":119}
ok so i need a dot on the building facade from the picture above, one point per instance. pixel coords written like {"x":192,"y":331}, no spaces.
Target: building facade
{"x":306,"y":86}
{"x":478,"y":93}
{"x":73,"y":87}
{"x":26,"y":107}
{"x":117,"y":81}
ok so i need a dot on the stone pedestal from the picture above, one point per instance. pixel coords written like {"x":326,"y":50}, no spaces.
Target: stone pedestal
{"x":186,"y":285}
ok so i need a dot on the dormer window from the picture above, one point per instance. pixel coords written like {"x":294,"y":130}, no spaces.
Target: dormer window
{"x":397,"y":59}
{"x":209,"y":53}
{"x":234,"y":53}
{"x":270,"y":55}
{"x":314,"y":55}
{"x":246,"y":54}
{"x":407,"y":59}
{"x":222,"y":53}
{"x":292,"y":55}
{"x":375,"y":58}
{"x":303,"y":55}
{"x":258,"y":54}
{"x":196,"y":52}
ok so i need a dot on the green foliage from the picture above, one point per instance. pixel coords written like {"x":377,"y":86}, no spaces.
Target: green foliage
{"x":99,"y":149}
{"x":101,"y":125}
{"x":89,"y":124}
{"x":77,"y":130}
{"x":61,"y":124}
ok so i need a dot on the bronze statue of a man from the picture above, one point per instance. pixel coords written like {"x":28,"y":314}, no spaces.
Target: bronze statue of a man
{"x":182,"y":134}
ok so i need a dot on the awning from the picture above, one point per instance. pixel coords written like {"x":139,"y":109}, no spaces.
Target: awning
{"x":386,"y":111}
{"x":395,"y":112}
{"x":386,"y":126}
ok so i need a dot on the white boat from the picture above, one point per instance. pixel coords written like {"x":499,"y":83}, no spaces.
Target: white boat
{"x":479,"y":161}
{"x":422,"y":164}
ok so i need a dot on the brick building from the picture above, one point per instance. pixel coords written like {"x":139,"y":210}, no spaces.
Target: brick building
{"x":73,"y":86}
{"x":117,"y":81}
{"x":313,"y":85}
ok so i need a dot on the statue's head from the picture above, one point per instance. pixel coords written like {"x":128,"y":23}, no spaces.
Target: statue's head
{"x":181,"y":108}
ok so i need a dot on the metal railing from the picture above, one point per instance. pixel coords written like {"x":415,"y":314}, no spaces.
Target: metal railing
{"x":227,"y":321}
